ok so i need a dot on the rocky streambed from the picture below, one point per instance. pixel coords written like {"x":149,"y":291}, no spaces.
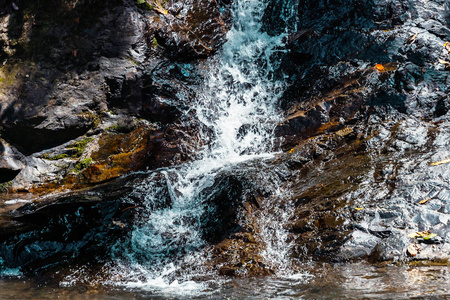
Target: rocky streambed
{"x":98,"y":107}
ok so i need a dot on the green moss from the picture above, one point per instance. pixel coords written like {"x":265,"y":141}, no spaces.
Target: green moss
{"x":55,"y":157}
{"x":155,"y":42}
{"x":96,"y":122}
{"x":114,"y":128}
{"x":82,"y":164}
{"x":145,"y":5}
{"x":8,"y":76}
{"x":76,"y":148}
{"x":80,"y":146}
{"x":4,"y":186}
{"x":91,"y":116}
{"x":120,"y":128}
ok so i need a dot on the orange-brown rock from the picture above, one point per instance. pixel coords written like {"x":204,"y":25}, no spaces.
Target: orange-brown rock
{"x":120,"y":153}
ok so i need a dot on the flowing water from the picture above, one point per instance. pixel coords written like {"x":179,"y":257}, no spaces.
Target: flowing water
{"x":237,"y":106}
{"x":355,"y":281}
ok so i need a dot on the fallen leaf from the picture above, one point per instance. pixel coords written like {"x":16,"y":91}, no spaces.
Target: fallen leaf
{"x":426,"y":235}
{"x":444,"y":62}
{"x":359,"y":208}
{"x":425,"y":200}
{"x":379,"y":67}
{"x":130,"y":207}
{"x":431,"y":197}
{"x":447,"y":46}
{"x":291,"y":151}
{"x":417,"y":234}
{"x":413,"y":235}
{"x":445,"y":161}
{"x":430,"y":236}
{"x":413,"y":39}
{"x":344,"y":131}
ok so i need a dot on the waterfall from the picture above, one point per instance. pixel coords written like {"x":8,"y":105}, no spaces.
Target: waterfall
{"x":237,"y":100}
{"x":237,"y":105}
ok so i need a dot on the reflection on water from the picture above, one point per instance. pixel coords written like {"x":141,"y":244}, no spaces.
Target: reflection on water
{"x":318,"y":282}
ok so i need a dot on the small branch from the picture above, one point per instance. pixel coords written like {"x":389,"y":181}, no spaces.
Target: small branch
{"x":429,"y":198}
{"x":445,"y":161}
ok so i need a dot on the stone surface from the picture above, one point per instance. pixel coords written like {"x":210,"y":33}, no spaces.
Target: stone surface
{"x":368,"y":106}
{"x":98,"y":73}
{"x":108,"y":93}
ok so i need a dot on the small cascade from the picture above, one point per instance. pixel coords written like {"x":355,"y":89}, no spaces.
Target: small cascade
{"x":237,"y":100}
{"x":237,"y":105}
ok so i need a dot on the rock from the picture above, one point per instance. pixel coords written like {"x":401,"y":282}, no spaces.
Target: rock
{"x":376,"y":72}
{"x":10,"y":162}
{"x":96,"y":72}
{"x":61,"y":230}
{"x":413,"y":250}
{"x":58,"y":97}
{"x":224,"y":201}
{"x":196,"y":32}
{"x":366,"y":113}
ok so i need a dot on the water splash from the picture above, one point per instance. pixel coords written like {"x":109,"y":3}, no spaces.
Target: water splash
{"x":236,"y":103}
{"x":237,"y":100}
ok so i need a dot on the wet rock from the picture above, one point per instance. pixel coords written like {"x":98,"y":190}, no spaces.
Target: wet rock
{"x":10,"y":162}
{"x":196,"y":31}
{"x":94,"y":73}
{"x":56,"y":97}
{"x":47,"y":132}
{"x":225,"y":199}
{"x":367,"y":66}
{"x":380,"y":32}
{"x":57,"y":231}
{"x":114,"y":153}
{"x":231,"y":223}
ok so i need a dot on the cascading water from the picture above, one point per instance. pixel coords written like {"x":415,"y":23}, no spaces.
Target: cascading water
{"x":236,"y":103}
{"x":237,"y":100}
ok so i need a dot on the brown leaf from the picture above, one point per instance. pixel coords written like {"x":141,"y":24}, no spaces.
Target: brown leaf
{"x":413,"y":39}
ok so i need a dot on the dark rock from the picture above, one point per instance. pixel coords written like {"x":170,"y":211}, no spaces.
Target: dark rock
{"x":38,"y":133}
{"x":196,"y":32}
{"x":98,"y":68}
{"x":224,"y":201}
{"x":11,"y":162}
{"x":63,"y":229}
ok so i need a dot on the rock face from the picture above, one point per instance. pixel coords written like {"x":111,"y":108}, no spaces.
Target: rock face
{"x":93,"y":72}
{"x":366,"y":135}
{"x":55,"y":231}
{"x":367,"y":115}
{"x":102,"y":90}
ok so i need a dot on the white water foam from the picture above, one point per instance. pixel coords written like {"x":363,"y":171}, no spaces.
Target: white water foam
{"x":15,"y":201}
{"x":237,"y":100}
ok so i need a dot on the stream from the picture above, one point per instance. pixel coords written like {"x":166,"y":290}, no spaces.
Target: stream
{"x":168,"y":253}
